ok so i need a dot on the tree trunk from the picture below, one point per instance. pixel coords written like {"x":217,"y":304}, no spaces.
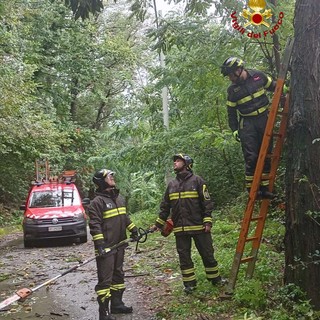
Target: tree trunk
{"x":302,"y":240}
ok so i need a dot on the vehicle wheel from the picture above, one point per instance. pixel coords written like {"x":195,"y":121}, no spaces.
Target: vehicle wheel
{"x":28,"y":243}
{"x":83,"y":239}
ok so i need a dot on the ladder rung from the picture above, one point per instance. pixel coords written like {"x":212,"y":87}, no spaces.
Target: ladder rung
{"x":256,"y":218}
{"x":244,"y":260}
{"x":277,"y":135}
{"x":251,"y":239}
{"x":281,"y":112}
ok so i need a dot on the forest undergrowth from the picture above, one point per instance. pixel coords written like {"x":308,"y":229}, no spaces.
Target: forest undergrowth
{"x":260,"y":298}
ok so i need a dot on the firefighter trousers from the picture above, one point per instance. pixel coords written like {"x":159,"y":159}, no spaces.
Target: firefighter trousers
{"x":110,"y":273}
{"x":203,"y":243}
{"x":251,"y":132}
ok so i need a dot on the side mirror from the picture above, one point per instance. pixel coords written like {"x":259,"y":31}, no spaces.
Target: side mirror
{"x":85,"y":201}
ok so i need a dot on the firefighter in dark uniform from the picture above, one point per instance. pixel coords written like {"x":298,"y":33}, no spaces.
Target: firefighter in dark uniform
{"x":188,"y":202}
{"x":108,"y":224}
{"x":248,"y":106}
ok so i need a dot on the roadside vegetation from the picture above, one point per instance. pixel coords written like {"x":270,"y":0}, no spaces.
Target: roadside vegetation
{"x":10,"y":221}
{"x":262,"y":297}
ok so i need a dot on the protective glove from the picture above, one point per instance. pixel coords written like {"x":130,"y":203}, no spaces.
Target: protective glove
{"x":207,"y":227}
{"x":154,"y":228}
{"x":236,"y":135}
{"x":101,"y":248}
{"x":135,"y":235}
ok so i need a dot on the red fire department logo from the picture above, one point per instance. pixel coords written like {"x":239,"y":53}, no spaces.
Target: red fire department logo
{"x":256,"y":15}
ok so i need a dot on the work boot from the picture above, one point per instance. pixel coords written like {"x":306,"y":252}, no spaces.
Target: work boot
{"x":104,"y":313}
{"x":117,"y":305}
{"x":264,"y":193}
{"x":218,"y":281}
{"x":189,"y":289}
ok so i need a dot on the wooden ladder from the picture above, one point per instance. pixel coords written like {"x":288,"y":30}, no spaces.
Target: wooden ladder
{"x":255,"y":223}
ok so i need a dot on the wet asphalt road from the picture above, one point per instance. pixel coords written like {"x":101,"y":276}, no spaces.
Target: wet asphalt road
{"x":72,"y":296}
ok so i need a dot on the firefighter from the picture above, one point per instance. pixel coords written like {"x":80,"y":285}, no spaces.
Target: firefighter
{"x":108,"y":224}
{"x":188,"y":202}
{"x":247,"y":106}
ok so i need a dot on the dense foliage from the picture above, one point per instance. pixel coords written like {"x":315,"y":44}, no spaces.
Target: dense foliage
{"x":87,"y":94}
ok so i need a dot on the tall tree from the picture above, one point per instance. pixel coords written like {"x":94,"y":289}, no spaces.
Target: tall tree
{"x":303,"y":168}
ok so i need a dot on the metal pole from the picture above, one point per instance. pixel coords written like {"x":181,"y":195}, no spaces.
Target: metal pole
{"x":164,"y":92}
{"x":165,"y":108}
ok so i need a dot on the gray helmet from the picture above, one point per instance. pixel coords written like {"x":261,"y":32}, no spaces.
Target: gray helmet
{"x":231,"y":64}
{"x":99,"y":178}
{"x":187,"y":160}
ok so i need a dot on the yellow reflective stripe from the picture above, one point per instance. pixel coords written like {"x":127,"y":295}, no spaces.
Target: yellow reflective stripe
{"x":116,"y":287}
{"x":185,"y":279}
{"x":212,"y":275}
{"x":188,"y":271}
{"x":98,"y":236}
{"x":207,"y":219}
{"x":264,"y":183}
{"x":231,"y":104}
{"x":160,"y":221}
{"x":205,"y":192}
{"x":183,"y":195}
{"x":131,"y":226}
{"x":173,"y":196}
{"x":249,"y":178}
{"x":104,"y":294}
{"x":255,"y":113}
{"x":188,"y":228}
{"x":251,"y":97}
{"x":269,"y":82}
{"x":212,"y":269}
{"x":189,"y":194}
{"x":114,"y":212}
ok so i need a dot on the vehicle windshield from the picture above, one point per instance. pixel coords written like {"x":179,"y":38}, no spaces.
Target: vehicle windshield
{"x":54,"y":198}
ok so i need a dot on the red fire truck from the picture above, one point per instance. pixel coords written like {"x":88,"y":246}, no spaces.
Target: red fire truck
{"x":53,"y":209}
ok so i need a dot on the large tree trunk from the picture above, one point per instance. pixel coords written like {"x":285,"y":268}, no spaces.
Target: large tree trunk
{"x":302,"y":240}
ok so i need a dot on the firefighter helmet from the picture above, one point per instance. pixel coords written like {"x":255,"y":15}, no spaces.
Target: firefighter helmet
{"x":187,"y":160}
{"x":99,"y":178}
{"x":231,"y":65}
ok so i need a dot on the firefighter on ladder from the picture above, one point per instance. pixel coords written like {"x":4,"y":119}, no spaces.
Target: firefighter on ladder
{"x":108,"y":225}
{"x":188,"y":200}
{"x":247,"y":105}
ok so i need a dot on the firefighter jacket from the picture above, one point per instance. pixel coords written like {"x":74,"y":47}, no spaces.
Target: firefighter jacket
{"x":248,"y":98}
{"x":108,"y":218}
{"x":188,"y":201}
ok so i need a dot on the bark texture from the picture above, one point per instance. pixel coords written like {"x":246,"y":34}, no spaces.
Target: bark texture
{"x":302,"y":240}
